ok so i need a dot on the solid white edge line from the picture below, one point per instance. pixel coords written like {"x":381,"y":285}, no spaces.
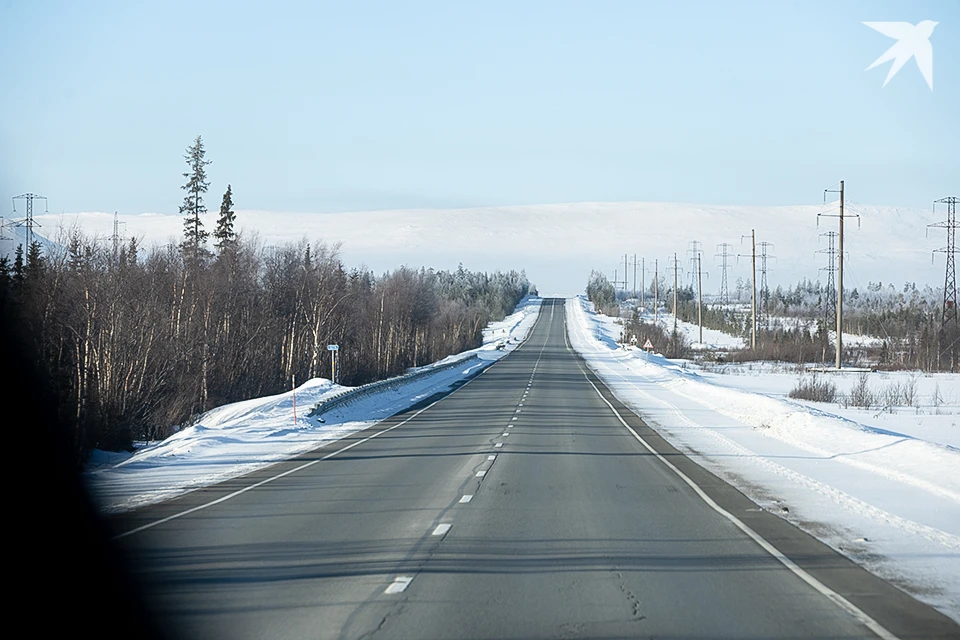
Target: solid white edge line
{"x":464,"y":499}
{"x":238,"y":492}
{"x":399,"y":584}
{"x":823,"y":589}
{"x":441,"y":530}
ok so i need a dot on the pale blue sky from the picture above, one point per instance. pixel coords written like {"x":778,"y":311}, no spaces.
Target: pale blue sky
{"x":316,"y":106}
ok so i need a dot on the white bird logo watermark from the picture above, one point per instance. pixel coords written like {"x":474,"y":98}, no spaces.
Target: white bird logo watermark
{"x":913,"y":41}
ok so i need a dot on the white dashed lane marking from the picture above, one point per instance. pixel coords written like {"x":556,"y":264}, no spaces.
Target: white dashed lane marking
{"x":441,"y":529}
{"x":481,"y":473}
{"x":466,"y":498}
{"x":498,"y":445}
{"x":399,"y":584}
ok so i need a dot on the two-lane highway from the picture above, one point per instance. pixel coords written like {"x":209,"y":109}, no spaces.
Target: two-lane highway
{"x":527,"y":504}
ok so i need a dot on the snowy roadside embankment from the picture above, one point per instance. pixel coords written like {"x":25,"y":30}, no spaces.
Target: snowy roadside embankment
{"x":238,"y":438}
{"x":887,"y":499}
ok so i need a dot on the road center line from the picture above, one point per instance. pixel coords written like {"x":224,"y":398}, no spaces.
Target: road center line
{"x":481,"y":473}
{"x":498,"y":445}
{"x":464,"y":499}
{"x":441,"y":529}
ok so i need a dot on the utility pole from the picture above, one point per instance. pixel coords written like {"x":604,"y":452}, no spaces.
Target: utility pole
{"x":841,"y":216}
{"x":676,"y":268}
{"x":656,"y":293}
{"x":950,"y":279}
{"x":723,"y":255}
{"x":28,"y":221}
{"x":764,"y":315}
{"x":334,"y":350}
{"x":625,"y":272}
{"x":700,"y":298}
{"x":753,"y":287}
{"x":643,"y":282}
{"x":634,"y":277}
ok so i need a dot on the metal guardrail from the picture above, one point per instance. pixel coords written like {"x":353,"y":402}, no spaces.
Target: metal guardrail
{"x":350,"y":395}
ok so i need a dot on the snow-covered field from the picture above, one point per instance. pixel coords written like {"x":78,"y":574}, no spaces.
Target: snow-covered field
{"x":235,"y":439}
{"x":881,"y":485}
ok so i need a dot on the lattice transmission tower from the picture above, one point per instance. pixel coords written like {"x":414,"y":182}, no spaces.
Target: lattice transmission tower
{"x":28,"y":222}
{"x":950,"y":279}
{"x":724,"y":265}
{"x":830,"y":295}
{"x":694,"y":256}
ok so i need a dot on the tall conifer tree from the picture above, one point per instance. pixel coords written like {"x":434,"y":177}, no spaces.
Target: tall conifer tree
{"x":194,"y":235}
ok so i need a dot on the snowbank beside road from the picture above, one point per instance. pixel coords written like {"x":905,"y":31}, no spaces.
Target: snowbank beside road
{"x":238,"y":438}
{"x":888,"y":500}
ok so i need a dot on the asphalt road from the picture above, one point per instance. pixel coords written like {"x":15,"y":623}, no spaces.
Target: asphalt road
{"x":527,"y":504}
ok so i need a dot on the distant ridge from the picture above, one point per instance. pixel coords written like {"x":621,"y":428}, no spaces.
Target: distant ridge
{"x":558,"y":244}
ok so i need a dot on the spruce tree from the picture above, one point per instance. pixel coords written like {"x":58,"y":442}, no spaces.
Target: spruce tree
{"x":34,"y":265}
{"x":18,"y":266}
{"x":194,"y":235}
{"x":224,"y":234}
{"x":6,"y":281}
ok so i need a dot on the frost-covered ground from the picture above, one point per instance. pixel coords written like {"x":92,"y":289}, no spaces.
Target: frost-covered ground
{"x":881,"y":485}
{"x":235,"y":439}
{"x":712,"y":339}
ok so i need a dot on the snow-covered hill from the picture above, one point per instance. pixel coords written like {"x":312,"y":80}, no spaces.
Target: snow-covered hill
{"x":558,"y":244}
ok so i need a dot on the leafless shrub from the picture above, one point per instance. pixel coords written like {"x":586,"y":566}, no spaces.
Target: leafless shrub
{"x":861,"y":395}
{"x":814,"y":388}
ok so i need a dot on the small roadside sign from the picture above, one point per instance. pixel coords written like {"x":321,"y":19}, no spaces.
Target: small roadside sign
{"x":333,"y":347}
{"x":648,"y":346}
